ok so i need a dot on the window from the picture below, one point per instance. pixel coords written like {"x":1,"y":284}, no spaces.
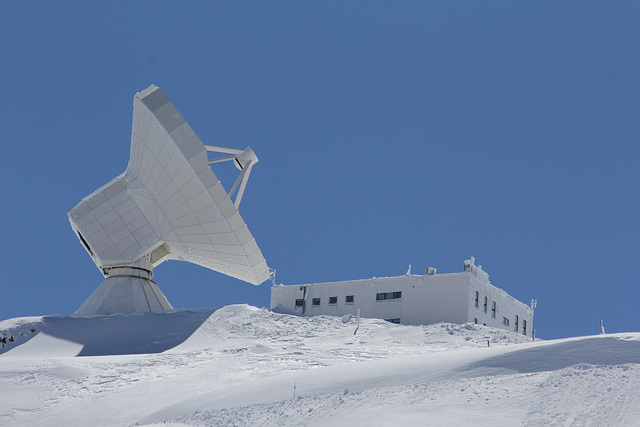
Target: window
{"x":493,"y":309}
{"x":475,"y":320}
{"x":477,"y":296}
{"x":316,"y":302}
{"x":348,"y":299}
{"x":524,"y":327}
{"x":299,"y":303}
{"x":388,"y":295}
{"x":505,"y":321}
{"x":485,"y":304}
{"x":516,"y":327}
{"x":333,"y":300}
{"x":396,"y":320}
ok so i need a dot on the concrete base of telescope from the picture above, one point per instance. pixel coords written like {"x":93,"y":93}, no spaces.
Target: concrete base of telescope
{"x":120,"y":294}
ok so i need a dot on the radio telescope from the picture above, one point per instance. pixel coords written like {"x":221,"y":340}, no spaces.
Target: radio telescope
{"x":167,"y":205}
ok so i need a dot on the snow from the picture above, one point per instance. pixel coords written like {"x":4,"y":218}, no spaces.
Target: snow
{"x":239,"y":365}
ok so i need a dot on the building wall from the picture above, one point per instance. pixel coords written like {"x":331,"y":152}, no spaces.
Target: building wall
{"x":435,"y":298}
{"x":424,"y":299}
{"x":506,"y":307}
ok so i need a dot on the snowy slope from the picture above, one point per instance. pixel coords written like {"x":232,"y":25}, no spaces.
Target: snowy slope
{"x":239,"y":366}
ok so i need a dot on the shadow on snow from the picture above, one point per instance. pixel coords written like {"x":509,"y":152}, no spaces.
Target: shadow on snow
{"x":140,"y":333}
{"x":591,"y":351}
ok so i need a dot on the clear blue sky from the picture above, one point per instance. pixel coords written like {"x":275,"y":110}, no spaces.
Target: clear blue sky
{"x":389,"y":133}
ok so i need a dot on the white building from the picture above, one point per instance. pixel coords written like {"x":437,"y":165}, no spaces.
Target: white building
{"x":411,"y":300}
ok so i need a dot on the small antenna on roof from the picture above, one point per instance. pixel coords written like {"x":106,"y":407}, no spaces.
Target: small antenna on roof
{"x":409,"y":271}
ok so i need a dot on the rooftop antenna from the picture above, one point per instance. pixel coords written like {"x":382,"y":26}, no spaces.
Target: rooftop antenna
{"x":167,"y":205}
{"x":408,"y":271}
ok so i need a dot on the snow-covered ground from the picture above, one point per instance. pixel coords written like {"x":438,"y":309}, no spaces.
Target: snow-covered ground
{"x":241,"y":365}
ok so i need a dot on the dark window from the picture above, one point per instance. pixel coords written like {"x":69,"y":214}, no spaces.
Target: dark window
{"x":333,"y":300}
{"x":316,"y":302}
{"x":516,"y":327}
{"x":475,"y":320}
{"x":505,"y":321}
{"x":485,"y":304}
{"x":388,"y":295}
{"x":493,"y":309}
{"x":524,"y":327}
{"x":396,"y":320}
{"x":348,"y":299}
{"x":299,"y":302}
{"x":477,"y":297}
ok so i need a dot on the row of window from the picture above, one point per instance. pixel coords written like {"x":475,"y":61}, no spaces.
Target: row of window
{"x":315,"y":302}
{"x":486,"y":302}
{"x":505,"y":321}
{"x":382,"y":296}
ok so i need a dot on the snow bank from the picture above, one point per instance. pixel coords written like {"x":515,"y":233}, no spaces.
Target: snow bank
{"x":15,"y":332}
{"x":239,"y":366}
{"x":142,"y":333}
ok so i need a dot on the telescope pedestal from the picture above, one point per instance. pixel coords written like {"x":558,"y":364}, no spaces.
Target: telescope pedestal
{"x":126,"y":290}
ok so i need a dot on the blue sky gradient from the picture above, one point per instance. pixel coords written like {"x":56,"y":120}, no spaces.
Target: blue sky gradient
{"x":389,"y":134}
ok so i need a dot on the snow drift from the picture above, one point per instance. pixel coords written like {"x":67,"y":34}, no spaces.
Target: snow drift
{"x":246,"y":366}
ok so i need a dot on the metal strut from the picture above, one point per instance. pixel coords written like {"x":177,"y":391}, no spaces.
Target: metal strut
{"x":244,"y":161}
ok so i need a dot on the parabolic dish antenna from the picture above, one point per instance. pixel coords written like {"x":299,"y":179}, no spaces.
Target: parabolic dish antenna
{"x":168,"y":204}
